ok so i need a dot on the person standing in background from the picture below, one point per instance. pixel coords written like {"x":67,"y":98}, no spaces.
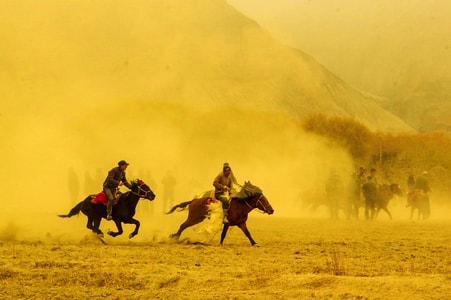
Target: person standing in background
{"x":74,"y":186}
{"x":334,"y":191}
{"x":169,"y":184}
{"x":421,"y":183}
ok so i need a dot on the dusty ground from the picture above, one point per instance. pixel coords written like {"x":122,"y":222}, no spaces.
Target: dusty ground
{"x":297,"y":258}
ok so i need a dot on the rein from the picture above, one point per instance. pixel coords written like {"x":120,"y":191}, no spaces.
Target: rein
{"x":139,"y":190}
{"x":256,"y":204}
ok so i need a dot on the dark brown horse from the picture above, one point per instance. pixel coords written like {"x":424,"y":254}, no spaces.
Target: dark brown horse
{"x":123,"y":211}
{"x":247,"y":199}
{"x":384,"y":195}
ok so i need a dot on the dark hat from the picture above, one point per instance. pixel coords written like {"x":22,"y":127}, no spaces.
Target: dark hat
{"x":122,"y":162}
{"x":226,"y":167}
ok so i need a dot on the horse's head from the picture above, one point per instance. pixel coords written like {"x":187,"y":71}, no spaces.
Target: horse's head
{"x":254,"y":193}
{"x":263,"y":204}
{"x":396,"y":189}
{"x":142,"y":190}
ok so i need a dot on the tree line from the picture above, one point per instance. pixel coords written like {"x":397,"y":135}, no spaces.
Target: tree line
{"x":396,"y":156}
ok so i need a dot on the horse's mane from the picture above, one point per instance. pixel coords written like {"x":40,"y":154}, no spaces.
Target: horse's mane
{"x":136,"y":182}
{"x":248,"y":190}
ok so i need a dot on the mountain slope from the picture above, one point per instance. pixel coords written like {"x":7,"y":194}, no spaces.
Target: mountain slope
{"x":200,"y":52}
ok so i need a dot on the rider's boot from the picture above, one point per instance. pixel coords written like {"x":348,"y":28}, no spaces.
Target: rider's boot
{"x":225,"y":216}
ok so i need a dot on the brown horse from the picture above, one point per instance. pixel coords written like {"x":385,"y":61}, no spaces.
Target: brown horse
{"x":384,"y":195}
{"x":247,"y":199}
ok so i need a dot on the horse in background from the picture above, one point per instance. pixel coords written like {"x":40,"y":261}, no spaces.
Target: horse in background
{"x":123,"y":211}
{"x":419,"y":200}
{"x":385,"y":194}
{"x":247,"y":199}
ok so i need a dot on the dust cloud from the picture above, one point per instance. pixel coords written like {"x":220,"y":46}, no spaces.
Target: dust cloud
{"x":156,"y":137}
{"x":76,"y":101}
{"x":80,"y":92}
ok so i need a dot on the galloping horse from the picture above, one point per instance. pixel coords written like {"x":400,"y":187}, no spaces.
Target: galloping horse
{"x":123,"y":211}
{"x":246,"y":200}
{"x":384,"y":195}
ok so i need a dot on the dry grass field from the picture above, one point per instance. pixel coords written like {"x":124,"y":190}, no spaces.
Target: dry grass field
{"x":47,"y":257}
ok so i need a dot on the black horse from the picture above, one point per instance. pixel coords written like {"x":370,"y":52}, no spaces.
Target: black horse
{"x":123,"y":211}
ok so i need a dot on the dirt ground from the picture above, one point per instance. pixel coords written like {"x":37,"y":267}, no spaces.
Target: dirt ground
{"x":296,"y":258}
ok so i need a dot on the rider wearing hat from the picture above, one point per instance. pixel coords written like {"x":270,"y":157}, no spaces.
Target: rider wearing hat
{"x":115,"y":178}
{"x":223,"y":185}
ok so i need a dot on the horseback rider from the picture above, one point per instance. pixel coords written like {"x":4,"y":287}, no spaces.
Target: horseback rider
{"x":410,"y":189}
{"x":422,"y":184}
{"x":115,"y":178}
{"x":232,"y":176}
{"x":223,"y":184}
{"x":369,"y":190}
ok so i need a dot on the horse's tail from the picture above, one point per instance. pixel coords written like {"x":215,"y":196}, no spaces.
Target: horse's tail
{"x":74,"y":211}
{"x":180,"y":207}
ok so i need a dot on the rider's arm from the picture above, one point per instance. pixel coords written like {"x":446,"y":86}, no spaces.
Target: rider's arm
{"x":110,"y":178}
{"x":125,"y":182}
{"x":217,"y":183}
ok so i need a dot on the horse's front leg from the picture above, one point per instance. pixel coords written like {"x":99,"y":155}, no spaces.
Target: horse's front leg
{"x":247,"y":233}
{"x":224,"y":232}
{"x":119,"y":228}
{"x":137,"y":225}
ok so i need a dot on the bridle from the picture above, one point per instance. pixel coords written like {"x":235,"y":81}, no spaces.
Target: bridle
{"x":256,"y":205}
{"x":140,"y":189}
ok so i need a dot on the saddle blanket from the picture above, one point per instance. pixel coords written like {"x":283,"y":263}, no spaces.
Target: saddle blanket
{"x":103,"y":199}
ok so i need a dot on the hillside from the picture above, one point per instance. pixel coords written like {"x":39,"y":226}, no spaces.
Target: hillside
{"x":197,"y":52}
{"x":396,"y":49}
{"x":426,"y":107}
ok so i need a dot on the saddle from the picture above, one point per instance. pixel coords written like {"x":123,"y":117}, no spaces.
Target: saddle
{"x":103,"y":199}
